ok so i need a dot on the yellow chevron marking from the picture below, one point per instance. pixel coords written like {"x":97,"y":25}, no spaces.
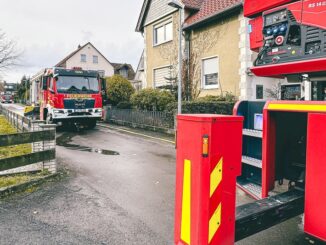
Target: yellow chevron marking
{"x":214,"y":223}
{"x":216,"y":177}
{"x":186,"y":202}
{"x":298,"y":107}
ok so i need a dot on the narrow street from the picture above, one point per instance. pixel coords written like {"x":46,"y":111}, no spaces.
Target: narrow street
{"x":119,"y":190}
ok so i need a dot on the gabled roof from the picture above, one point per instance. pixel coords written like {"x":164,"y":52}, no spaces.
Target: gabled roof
{"x":203,"y":10}
{"x":210,"y":9}
{"x":141,"y":63}
{"x":63,"y":62}
{"x":188,"y":4}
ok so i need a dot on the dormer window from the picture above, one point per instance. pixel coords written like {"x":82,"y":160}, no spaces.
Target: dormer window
{"x":124,"y":72}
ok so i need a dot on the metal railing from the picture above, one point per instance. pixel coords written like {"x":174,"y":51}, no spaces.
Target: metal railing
{"x":20,"y":122}
{"x":155,"y":120}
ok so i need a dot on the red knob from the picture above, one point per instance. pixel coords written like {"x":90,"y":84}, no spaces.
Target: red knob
{"x":279,"y":40}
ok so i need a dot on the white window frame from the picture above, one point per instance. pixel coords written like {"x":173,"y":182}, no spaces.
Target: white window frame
{"x":153,"y":73}
{"x":162,"y":24}
{"x":203,"y":85}
{"x":81,"y":59}
{"x":95,"y":56}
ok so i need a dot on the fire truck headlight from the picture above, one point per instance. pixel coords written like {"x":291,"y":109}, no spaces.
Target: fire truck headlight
{"x":98,"y":111}
{"x":58,"y":111}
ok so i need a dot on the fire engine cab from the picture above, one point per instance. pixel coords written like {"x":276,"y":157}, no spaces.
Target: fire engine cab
{"x":67,"y":96}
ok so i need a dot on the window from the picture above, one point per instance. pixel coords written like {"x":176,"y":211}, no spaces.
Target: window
{"x":95,"y":59}
{"x":51,"y":84}
{"x":161,"y":77}
{"x":124,"y":72}
{"x":259,"y":92}
{"x":291,"y":92}
{"x":210,"y":69}
{"x":77,"y":85}
{"x":163,"y":32}
{"x":83,"y":58}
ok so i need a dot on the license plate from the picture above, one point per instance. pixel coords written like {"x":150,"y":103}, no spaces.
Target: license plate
{"x":80,"y":110}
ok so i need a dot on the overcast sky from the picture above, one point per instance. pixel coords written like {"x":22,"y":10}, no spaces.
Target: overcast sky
{"x":47,"y":31}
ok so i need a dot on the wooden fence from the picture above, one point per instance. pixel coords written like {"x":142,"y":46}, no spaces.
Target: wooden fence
{"x":42,"y":138}
{"x":32,"y":158}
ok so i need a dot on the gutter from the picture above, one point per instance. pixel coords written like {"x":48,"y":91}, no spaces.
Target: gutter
{"x":214,"y":16}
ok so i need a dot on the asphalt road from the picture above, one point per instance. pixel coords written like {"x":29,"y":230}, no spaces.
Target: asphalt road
{"x":119,"y":190}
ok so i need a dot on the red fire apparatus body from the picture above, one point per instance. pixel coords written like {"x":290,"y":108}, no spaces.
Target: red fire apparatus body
{"x":68,"y":96}
{"x":282,"y":141}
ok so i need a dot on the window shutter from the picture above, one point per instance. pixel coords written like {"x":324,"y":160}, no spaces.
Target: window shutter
{"x":160,"y":75}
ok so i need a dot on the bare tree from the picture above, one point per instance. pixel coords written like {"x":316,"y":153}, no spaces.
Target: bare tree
{"x":8,"y":53}
{"x":202,"y":42}
{"x":275,"y":92}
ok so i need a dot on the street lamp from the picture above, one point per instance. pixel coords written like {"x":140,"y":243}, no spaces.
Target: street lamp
{"x":176,"y":4}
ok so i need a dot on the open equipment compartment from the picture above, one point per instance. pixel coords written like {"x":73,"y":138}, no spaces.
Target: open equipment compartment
{"x":290,"y":146}
{"x":251,"y":176}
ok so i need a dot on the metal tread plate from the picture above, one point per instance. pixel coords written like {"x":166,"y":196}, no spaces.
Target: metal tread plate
{"x":252,"y":133}
{"x":252,"y":161}
{"x":251,"y":188}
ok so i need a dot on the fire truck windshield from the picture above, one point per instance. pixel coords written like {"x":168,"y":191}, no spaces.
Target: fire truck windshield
{"x":77,"y":85}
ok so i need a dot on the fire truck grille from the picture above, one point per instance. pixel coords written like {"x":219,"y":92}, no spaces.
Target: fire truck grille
{"x":79,"y":104}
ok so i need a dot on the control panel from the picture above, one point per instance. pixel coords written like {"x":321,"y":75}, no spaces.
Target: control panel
{"x":286,"y":39}
{"x":275,"y":18}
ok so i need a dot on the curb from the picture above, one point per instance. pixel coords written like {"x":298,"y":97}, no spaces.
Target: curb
{"x":135,"y":133}
{"x":7,"y":191}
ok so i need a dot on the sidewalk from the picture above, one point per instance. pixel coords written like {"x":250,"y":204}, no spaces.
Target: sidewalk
{"x":140,"y":132}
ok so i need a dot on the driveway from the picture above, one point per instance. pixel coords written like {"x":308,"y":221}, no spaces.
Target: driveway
{"x":119,"y":190}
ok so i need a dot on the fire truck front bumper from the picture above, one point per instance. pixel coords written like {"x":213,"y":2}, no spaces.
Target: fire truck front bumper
{"x":68,"y":114}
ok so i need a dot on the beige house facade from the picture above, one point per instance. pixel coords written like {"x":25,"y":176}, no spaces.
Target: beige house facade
{"x":214,"y":57}
{"x":216,"y":50}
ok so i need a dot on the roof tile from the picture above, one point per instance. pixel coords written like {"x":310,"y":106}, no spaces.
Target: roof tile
{"x":194,"y":4}
{"x":209,"y":8}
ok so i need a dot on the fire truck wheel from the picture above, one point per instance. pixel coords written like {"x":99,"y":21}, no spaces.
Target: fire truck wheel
{"x":91,"y":124}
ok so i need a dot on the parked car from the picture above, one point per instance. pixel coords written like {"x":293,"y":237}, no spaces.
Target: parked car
{"x":7,"y":98}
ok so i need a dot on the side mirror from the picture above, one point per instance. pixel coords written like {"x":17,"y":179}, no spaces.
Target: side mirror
{"x":44,"y":83}
{"x":103,"y":84}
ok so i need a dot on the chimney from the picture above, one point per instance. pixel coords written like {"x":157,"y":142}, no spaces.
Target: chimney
{"x":79,"y":46}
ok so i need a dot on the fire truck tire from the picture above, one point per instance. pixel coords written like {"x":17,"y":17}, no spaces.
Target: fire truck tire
{"x":91,"y":124}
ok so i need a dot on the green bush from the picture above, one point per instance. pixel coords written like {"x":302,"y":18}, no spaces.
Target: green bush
{"x":229,"y":97}
{"x":152,"y":99}
{"x":124,"y":105}
{"x":202,"y":107}
{"x":119,"y":89}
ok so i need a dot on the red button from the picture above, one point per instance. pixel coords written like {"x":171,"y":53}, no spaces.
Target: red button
{"x":279,"y":40}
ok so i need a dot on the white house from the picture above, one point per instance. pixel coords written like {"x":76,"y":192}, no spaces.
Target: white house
{"x":88,"y":58}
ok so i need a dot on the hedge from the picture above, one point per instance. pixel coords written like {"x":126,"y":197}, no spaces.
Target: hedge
{"x":219,"y":107}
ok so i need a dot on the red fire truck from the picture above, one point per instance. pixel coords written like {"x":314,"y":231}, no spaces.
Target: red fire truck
{"x":68,"y":96}
{"x":264,"y":145}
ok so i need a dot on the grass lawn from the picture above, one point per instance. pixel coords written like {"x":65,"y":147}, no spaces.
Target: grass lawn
{"x":11,"y":151}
